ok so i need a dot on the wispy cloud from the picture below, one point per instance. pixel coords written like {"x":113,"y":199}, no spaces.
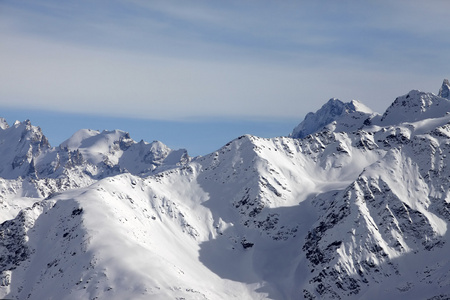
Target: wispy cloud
{"x":172,"y":60}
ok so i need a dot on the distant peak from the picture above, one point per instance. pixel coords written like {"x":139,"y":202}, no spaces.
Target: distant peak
{"x":359,"y":106}
{"x":3,"y":123}
{"x":334,"y":101}
{"x":331,"y":111}
{"x":338,"y":107}
{"x":444,"y":91}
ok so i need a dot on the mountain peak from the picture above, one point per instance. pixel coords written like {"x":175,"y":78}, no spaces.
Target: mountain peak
{"x":416,"y":106}
{"x":3,"y":123}
{"x":444,"y":91}
{"x":331,"y":111}
{"x":359,"y":106}
{"x":357,"y":209}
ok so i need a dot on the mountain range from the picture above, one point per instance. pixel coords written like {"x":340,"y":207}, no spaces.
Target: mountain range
{"x":351,"y":205}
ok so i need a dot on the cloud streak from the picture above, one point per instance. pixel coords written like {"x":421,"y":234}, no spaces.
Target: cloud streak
{"x":161,"y":60}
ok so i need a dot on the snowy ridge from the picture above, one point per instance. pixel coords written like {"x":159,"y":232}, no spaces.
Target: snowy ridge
{"x":357,"y":209}
{"x":31,"y":169}
{"x":20,"y":145}
{"x":347,"y":116}
{"x":25,"y":151}
{"x":415,"y":106}
{"x":115,"y":149}
{"x":387,"y":223}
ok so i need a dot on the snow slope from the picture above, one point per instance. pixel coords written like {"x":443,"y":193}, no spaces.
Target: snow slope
{"x":31,"y":169}
{"x":357,"y":209}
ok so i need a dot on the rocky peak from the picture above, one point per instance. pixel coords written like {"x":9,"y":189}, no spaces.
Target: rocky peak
{"x":23,"y":143}
{"x":444,"y":91}
{"x":331,"y":111}
{"x":3,"y":124}
{"x":415,"y":106}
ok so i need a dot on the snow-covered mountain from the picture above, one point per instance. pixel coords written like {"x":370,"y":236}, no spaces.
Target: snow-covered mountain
{"x":358,"y":208}
{"x":31,"y":169}
{"x":444,"y":91}
{"x":116,"y":150}
{"x":347,"y":116}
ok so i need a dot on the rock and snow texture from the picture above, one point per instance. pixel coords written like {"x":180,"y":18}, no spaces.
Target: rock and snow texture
{"x":3,"y":123}
{"x":415,"y":106}
{"x":349,"y":116}
{"x":31,"y":169}
{"x":348,"y":212}
{"x":20,"y":145}
{"x":116,"y":150}
{"x":444,"y":91}
{"x":25,"y":151}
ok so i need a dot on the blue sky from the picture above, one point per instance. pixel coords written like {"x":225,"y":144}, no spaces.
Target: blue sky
{"x":195,"y":74}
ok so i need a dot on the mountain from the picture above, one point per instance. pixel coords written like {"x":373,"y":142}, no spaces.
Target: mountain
{"x":444,"y":91}
{"x":349,"y":116}
{"x":357,"y":209}
{"x":31,"y":169}
{"x":115,"y":149}
{"x":415,"y":106}
{"x":20,"y":145}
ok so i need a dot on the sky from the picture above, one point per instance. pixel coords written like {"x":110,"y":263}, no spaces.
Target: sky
{"x":197,"y":74}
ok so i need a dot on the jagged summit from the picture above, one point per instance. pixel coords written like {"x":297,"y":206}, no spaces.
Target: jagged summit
{"x":116,"y":149}
{"x":359,"y":209}
{"x":415,"y":106}
{"x":3,"y":123}
{"x":25,"y":151}
{"x":337,"y":116}
{"x":332,"y":111}
{"x":22,"y":144}
{"x":444,"y":91}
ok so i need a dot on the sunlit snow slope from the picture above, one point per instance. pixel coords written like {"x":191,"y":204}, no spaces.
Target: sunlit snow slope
{"x":357,"y":208}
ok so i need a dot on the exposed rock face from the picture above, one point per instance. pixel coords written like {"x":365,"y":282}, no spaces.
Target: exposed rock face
{"x":444,"y":91}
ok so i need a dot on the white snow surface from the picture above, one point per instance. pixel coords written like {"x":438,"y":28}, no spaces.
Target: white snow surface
{"x":350,"y":116}
{"x":116,"y":148}
{"x":415,"y":106}
{"x":357,"y":209}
